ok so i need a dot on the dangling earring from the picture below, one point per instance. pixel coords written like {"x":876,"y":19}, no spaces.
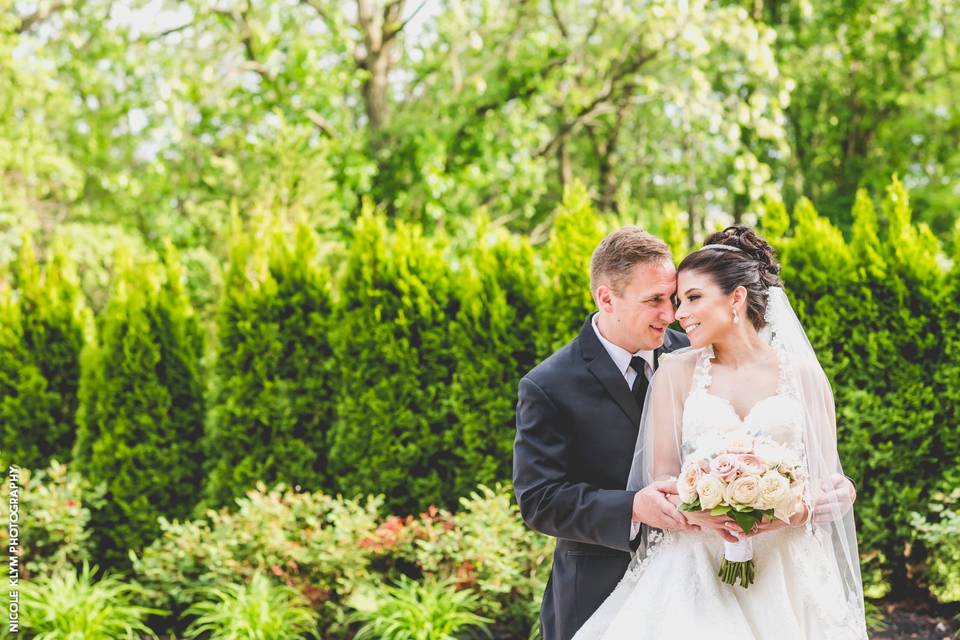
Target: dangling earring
{"x":736,"y":317}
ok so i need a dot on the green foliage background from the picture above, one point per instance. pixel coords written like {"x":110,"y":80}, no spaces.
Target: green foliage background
{"x":319,"y":243}
{"x":142,"y":408}
{"x":272,"y":401}
{"x":389,"y":365}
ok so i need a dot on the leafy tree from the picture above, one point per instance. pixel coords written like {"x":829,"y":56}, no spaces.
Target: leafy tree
{"x":869,"y":97}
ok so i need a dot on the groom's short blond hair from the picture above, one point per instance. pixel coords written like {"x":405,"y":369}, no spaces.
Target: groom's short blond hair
{"x":615,"y":257}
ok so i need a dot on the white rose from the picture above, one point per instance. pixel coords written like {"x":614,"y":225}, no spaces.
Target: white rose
{"x":711,"y":491}
{"x":790,"y":504}
{"x":791,"y":457}
{"x":743,"y":492}
{"x":771,"y":454}
{"x":739,"y":441}
{"x":774,"y":488}
{"x":711,"y":442}
{"x":687,"y":482}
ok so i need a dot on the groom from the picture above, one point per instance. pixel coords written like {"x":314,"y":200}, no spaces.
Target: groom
{"x":577,"y":421}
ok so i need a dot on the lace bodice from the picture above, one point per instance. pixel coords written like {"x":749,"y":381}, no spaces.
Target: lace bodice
{"x":708,"y":419}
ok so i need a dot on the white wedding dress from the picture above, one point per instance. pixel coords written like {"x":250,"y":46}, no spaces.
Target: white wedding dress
{"x":675,"y":593}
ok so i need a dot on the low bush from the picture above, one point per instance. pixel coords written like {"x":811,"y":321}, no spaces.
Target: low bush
{"x":55,"y":535}
{"x":260,"y":610}
{"x":427,"y":610}
{"x":940,"y":534}
{"x":67,"y":604}
{"x":307,"y":541}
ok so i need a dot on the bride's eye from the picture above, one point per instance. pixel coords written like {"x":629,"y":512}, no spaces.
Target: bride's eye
{"x":692,"y":298}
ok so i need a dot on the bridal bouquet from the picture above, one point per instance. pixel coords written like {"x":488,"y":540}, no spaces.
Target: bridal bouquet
{"x":746,"y":478}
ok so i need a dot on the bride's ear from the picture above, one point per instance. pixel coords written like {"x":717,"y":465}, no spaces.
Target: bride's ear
{"x":739,"y":297}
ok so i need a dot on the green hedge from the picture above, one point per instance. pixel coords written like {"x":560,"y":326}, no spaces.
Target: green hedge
{"x":273,"y":393}
{"x":396,"y":371}
{"x":141,"y":409}
{"x":42,"y":334}
{"x":494,"y":342}
{"x":874,"y":309}
{"x":394,"y":352}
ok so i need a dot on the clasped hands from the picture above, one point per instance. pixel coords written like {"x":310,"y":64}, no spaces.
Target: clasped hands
{"x":656,"y":506}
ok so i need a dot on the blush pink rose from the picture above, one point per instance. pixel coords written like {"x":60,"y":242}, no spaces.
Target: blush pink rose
{"x":750,"y":464}
{"x":724,"y":466}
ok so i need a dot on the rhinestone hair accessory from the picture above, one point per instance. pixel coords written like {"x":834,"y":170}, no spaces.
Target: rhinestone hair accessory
{"x":723,"y":247}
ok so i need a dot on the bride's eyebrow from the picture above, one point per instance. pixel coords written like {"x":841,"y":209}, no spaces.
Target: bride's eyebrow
{"x":689,"y":291}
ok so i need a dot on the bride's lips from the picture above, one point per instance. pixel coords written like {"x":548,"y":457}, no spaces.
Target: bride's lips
{"x":690,"y":328}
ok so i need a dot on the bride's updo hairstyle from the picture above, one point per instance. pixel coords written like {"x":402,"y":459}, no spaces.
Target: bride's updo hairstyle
{"x":749,"y":263}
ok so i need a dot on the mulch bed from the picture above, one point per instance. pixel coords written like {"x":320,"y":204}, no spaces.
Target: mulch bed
{"x":914,"y":621}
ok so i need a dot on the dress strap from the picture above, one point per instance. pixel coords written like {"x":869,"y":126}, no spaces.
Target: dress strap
{"x":785,"y":383}
{"x":701,"y":373}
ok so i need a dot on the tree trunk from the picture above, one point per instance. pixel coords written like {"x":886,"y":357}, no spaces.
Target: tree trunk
{"x":379,"y":31}
{"x":564,"y":166}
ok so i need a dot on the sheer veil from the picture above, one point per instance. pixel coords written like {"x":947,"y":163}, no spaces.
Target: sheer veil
{"x":660,"y":447}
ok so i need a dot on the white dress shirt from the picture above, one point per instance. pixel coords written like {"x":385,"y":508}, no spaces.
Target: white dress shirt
{"x":621,"y":357}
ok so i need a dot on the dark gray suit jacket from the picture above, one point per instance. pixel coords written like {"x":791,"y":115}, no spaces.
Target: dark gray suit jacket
{"x":577,"y":424}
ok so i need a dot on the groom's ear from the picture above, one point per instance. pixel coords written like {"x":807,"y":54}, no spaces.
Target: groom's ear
{"x":603,"y":297}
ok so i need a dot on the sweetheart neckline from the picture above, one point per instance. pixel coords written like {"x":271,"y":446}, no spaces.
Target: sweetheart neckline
{"x":752,"y":409}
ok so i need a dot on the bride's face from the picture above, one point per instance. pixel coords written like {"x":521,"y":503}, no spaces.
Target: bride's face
{"x":705,"y":312}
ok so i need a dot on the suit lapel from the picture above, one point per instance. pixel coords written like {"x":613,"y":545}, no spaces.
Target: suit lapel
{"x":601,"y":366}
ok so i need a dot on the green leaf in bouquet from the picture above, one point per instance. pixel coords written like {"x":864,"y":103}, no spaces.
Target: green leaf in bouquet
{"x":690,"y":506}
{"x":747,"y":520}
{"x":720,"y":510}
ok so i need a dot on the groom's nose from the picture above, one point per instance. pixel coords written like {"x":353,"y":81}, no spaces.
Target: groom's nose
{"x":667,"y":312}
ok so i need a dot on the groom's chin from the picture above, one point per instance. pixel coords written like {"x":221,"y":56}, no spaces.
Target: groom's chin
{"x":656,"y":337}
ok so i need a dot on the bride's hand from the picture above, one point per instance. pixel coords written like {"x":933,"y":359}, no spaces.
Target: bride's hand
{"x":773,"y":524}
{"x":703,"y":521}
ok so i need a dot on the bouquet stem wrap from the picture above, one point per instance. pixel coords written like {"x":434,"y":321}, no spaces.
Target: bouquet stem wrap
{"x":737,"y":564}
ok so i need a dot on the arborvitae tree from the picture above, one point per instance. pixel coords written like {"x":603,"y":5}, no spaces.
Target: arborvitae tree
{"x":43,"y":336}
{"x":816,"y":262}
{"x":576,"y":232}
{"x":141,"y":417}
{"x":774,"y":221}
{"x":871,"y":310}
{"x":669,"y":228}
{"x":898,"y":415}
{"x":495,"y":336}
{"x":273,"y":395}
{"x":25,"y":402}
{"x":395,"y":364}
{"x":947,"y":376}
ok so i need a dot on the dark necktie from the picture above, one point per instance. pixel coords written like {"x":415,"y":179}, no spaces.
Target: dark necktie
{"x":640,"y":382}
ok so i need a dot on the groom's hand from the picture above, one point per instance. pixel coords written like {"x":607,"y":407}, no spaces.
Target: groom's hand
{"x":835,"y":499}
{"x":652,"y":508}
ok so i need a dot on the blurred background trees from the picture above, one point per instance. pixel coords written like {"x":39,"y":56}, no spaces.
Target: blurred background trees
{"x":155,"y":119}
{"x":318,"y":242}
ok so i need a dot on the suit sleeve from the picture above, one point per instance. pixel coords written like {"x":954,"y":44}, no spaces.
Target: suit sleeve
{"x":549,"y":501}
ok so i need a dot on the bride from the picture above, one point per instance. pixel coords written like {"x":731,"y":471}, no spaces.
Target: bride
{"x":749,"y":371}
